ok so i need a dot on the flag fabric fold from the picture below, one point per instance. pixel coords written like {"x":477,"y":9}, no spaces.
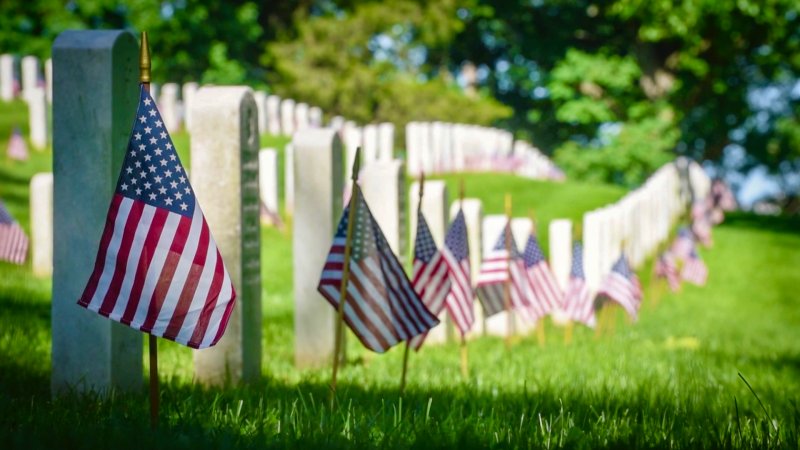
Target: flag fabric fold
{"x":578,"y":300}
{"x":666,"y":267}
{"x":455,"y":252}
{"x":381,"y":306}
{"x":546,"y":294}
{"x":622,"y":286}
{"x":13,"y":240}
{"x":158,"y":269}
{"x":694,"y":269}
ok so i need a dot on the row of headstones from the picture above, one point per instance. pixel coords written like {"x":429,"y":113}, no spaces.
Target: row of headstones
{"x":439,"y":147}
{"x":36,"y":89}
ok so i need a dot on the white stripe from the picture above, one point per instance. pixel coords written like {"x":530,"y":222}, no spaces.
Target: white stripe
{"x":219,"y":310}
{"x":377,"y":300}
{"x":134,"y":256}
{"x":109,"y":265}
{"x":201,"y":295}
{"x":407,"y":297}
{"x":185,"y":262}
{"x":370,"y":315}
{"x":154,"y":271}
{"x":365,"y":333}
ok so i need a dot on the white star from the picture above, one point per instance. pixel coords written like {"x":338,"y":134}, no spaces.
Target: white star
{"x":168,"y":201}
{"x":147,"y":185}
{"x":147,"y":157}
{"x":137,"y":164}
{"x":172,"y":157}
{"x":147,"y":102}
{"x":138,"y":191}
{"x":152,"y":112}
{"x":142,"y":147}
{"x":173,"y":184}
{"x":163,"y":135}
{"x":124,"y":187}
{"x":129,"y":170}
{"x":184,"y":206}
{"x":158,"y":123}
{"x":133,"y":152}
{"x":163,"y":162}
{"x":142,"y":174}
{"x":158,"y":179}
{"x":162,"y":190}
{"x":138,"y":136}
{"x":178,"y":196}
{"x":142,"y":119}
{"x":183,"y":179}
{"x":178,"y":168}
{"x":169,"y":146}
{"x":153,"y":140}
{"x":168,"y":173}
{"x":133,"y":180}
{"x":147,"y":130}
{"x":187,"y":190}
{"x":158,"y":151}
{"x":152,"y":168}
{"x":152,"y":196}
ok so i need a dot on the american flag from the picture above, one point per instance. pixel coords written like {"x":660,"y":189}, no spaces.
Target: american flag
{"x":622,"y":286}
{"x":158,"y":268}
{"x":701,"y":224}
{"x":493,"y":278}
{"x":667,"y":267}
{"x":547,"y":295}
{"x":430,"y":278}
{"x":17,"y":148}
{"x":13,"y":241}
{"x":683,"y":244}
{"x":694,"y":269}
{"x":381,"y":306}
{"x":456,"y":255}
{"x":578,"y":300}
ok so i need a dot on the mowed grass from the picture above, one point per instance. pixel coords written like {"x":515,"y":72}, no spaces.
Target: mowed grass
{"x":669,"y":380}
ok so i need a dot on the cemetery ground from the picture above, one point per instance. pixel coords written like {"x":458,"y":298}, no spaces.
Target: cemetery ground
{"x":717,"y":366}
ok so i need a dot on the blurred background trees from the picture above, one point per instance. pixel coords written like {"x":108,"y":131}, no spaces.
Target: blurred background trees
{"x":611,"y":88}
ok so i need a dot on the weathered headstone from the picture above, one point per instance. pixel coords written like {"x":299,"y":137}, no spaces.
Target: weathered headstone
{"x":273,"y":106}
{"x":168,"y":106}
{"x":268,"y":178}
{"x":30,"y":75}
{"x":473,"y":216}
{"x":315,"y":116}
{"x":383,"y":184}
{"x":287,"y":117}
{"x":369,"y":143}
{"x":260,"y":98}
{"x":225,"y":141}
{"x":48,"y":79}
{"x":412,"y":149}
{"x":561,"y":250}
{"x":188,"y":91}
{"x":434,"y":208}
{"x":288,"y":178}
{"x":7,"y":77}
{"x":385,"y":141}
{"x":318,"y":207}
{"x":37,"y":117}
{"x":301,"y":121}
{"x":95,"y":90}
{"x":41,"y":198}
{"x":352,"y":140}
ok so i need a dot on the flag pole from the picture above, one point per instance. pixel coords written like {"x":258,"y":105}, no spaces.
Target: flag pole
{"x":576,"y":234}
{"x":345,"y":274}
{"x":540,"y":333}
{"x":144,"y":79}
{"x":464,"y":353}
{"x":406,"y":351}
{"x":507,"y":284}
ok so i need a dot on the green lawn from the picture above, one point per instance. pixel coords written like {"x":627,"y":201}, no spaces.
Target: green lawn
{"x":669,"y":380}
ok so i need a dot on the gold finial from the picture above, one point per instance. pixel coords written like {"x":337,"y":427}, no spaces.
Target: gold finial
{"x":508,"y":205}
{"x":577,"y":230}
{"x":356,"y":165}
{"x":461,"y":191}
{"x":144,"y":60}
{"x":532,"y":215}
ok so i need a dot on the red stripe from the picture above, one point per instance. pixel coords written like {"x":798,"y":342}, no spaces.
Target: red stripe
{"x":129,"y":232}
{"x":145,"y":259}
{"x":108,"y":231}
{"x":357,"y":308}
{"x":208,"y":307}
{"x":223,"y":323}
{"x":189,"y":286}
{"x":167,"y":273}
{"x":408,"y":299}
{"x":372,"y":302}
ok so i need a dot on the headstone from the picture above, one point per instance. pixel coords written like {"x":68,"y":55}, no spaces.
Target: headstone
{"x":48,"y":80}
{"x":225,"y":141}
{"x":154,"y":90}
{"x":385,"y":141}
{"x":37,"y":117}
{"x":337,"y":123}
{"x":288,"y":178}
{"x":301,"y":121}
{"x":318,"y":208}
{"x":168,"y":106}
{"x":434,"y":208}
{"x":7,"y":77}
{"x":273,"y":105}
{"x":473,"y":216}
{"x":383,"y":185}
{"x":561,"y":250}
{"x":30,"y":75}
{"x":315,"y":116}
{"x":352,"y":140}
{"x":41,"y":198}
{"x":95,"y":91}
{"x":413,"y":157}
{"x":188,"y":91}
{"x":268,"y":178}
{"x":369,"y":143}
{"x":261,"y":104}
{"x":287,"y":117}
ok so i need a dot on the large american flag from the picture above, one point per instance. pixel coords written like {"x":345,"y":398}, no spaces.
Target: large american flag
{"x":430,"y":278}
{"x":500,"y":268}
{"x":694,"y":269}
{"x":621,"y":285}
{"x":13,"y":241}
{"x":578,"y":300}
{"x":381,"y":306}
{"x":158,"y":268}
{"x":459,"y":301}
{"x":667,"y":267}
{"x":547,"y":295}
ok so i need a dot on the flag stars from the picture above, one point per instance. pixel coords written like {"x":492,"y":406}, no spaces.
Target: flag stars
{"x":152,"y":112}
{"x":168,"y":201}
{"x":158,"y":179}
{"x":182,"y":178}
{"x":133,"y":153}
{"x":184,"y":206}
{"x":168,"y":173}
{"x":142,"y":147}
{"x":124,"y":187}
{"x":147,"y":130}
{"x":158,"y":151}
{"x":163,"y":162}
{"x":138,"y":164}
{"x":129,"y":170}
{"x":159,"y":123}
{"x":172,"y":157}
{"x":187,"y":190}
{"x":133,"y":180}
{"x":163,"y":135}
{"x":153,"y":140}
{"x":178,"y":168}
{"x":162,"y":190}
{"x":147,"y":185}
{"x":169,"y":146}
{"x":152,"y":168}
{"x":173,"y":184}
{"x":152,"y":196}
{"x":178,"y":196}
{"x":147,"y":157}
{"x":138,"y":191}
{"x":142,"y":119}
{"x":138,"y":136}
{"x":142,"y":174}
{"x":147,"y":102}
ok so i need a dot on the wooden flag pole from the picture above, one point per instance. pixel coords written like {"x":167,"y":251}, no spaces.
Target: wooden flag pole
{"x":540,"y":332}
{"x":464,"y":352}
{"x":406,"y":351}
{"x":144,"y":79}
{"x":337,"y":349}
{"x":576,"y":234}
{"x":507,"y":284}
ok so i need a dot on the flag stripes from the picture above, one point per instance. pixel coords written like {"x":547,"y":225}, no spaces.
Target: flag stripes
{"x":13,"y":240}
{"x":578,"y":301}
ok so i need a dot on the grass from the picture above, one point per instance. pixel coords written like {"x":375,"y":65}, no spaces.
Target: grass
{"x":670,"y":380}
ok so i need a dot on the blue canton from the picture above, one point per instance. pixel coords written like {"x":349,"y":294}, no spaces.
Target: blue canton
{"x":152,"y":172}
{"x":424,"y":247}
{"x":622,"y":268}
{"x":456,"y":239}
{"x":533,"y":253}
{"x":577,"y":261}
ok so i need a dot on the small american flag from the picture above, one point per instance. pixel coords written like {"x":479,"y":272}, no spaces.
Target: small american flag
{"x":456,"y":254}
{"x":701,"y":223}
{"x":683,"y":244}
{"x":493,"y":278}
{"x":430,"y":274}
{"x":667,"y":267}
{"x":694,"y":269}
{"x":578,"y":301}
{"x":13,"y":241}
{"x":547,"y":295}
{"x":17,"y":148}
{"x":622,"y":286}
{"x":158,"y":268}
{"x":381,"y":306}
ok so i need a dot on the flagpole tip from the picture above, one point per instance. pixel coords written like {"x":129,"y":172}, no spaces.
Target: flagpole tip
{"x":356,"y":165}
{"x":421,"y":185}
{"x":144,"y":59}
